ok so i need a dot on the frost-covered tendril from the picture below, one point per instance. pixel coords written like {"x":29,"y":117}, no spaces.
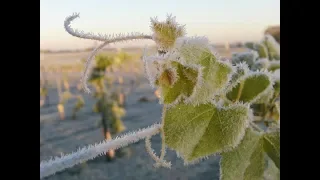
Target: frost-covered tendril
{"x":98,"y":37}
{"x":106,"y":38}
{"x":159,"y":161}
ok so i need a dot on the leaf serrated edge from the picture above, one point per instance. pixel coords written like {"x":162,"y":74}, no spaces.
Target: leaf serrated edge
{"x":198,"y":68}
{"x":267,"y":90}
{"x":269,"y":38}
{"x":220,"y":165}
{"x":200,"y":82}
{"x":255,"y":73}
{"x":231,"y":85}
{"x":240,"y":137}
{"x":152,"y":59}
{"x":269,"y":141}
{"x":245,"y":53}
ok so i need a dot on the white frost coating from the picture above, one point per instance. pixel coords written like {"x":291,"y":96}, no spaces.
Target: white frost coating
{"x":274,"y":43}
{"x":85,"y":74}
{"x":232,"y":83}
{"x":276,"y":74}
{"x":191,"y":48}
{"x":243,"y":66}
{"x":195,"y":41}
{"x":159,"y":162}
{"x":265,"y":92}
{"x":237,"y":140}
{"x":99,"y":37}
{"x":269,"y":89}
{"x":152,"y":65}
{"x":249,"y":57}
{"x":246,"y":53}
{"x":106,"y":38}
{"x":57,"y":164}
{"x":262,"y":63}
{"x":171,"y":21}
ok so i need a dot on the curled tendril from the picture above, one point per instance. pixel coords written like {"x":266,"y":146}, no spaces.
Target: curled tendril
{"x":159,"y":161}
{"x":107,"y":39}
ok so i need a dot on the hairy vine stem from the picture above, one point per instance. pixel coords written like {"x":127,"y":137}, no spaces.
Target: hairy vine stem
{"x":159,"y":160}
{"x":52,"y":166}
{"x":163,"y":146}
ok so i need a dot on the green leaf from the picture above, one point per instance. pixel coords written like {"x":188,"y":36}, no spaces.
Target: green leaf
{"x":182,"y":87}
{"x":262,"y":50}
{"x":241,"y":70}
{"x":214,"y":78}
{"x":246,"y":161}
{"x":193,"y":50}
{"x":167,"y":78}
{"x":274,"y":65}
{"x":165,"y":33}
{"x":265,"y":97}
{"x":250,"y":88}
{"x":199,"y":131}
{"x":272,"y":172}
{"x":195,"y":53}
{"x":272,"y":146}
{"x":273,"y":47}
{"x":276,"y":86}
{"x":256,"y":168}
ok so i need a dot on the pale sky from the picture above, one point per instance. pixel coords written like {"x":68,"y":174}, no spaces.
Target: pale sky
{"x":219,"y":20}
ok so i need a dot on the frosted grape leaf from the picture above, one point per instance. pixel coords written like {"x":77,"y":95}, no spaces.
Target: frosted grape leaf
{"x":265,"y":97}
{"x":273,"y":47}
{"x":193,"y":88}
{"x":199,"y":131}
{"x":213,"y":74}
{"x":274,"y":65}
{"x":241,"y":70}
{"x":183,"y":86}
{"x":272,"y":146}
{"x":276,"y":86}
{"x":260,"y":48}
{"x":246,"y":161}
{"x":272,"y":172}
{"x":166,"y":32}
{"x":256,"y":168}
{"x":214,"y":78}
{"x":250,"y":88}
